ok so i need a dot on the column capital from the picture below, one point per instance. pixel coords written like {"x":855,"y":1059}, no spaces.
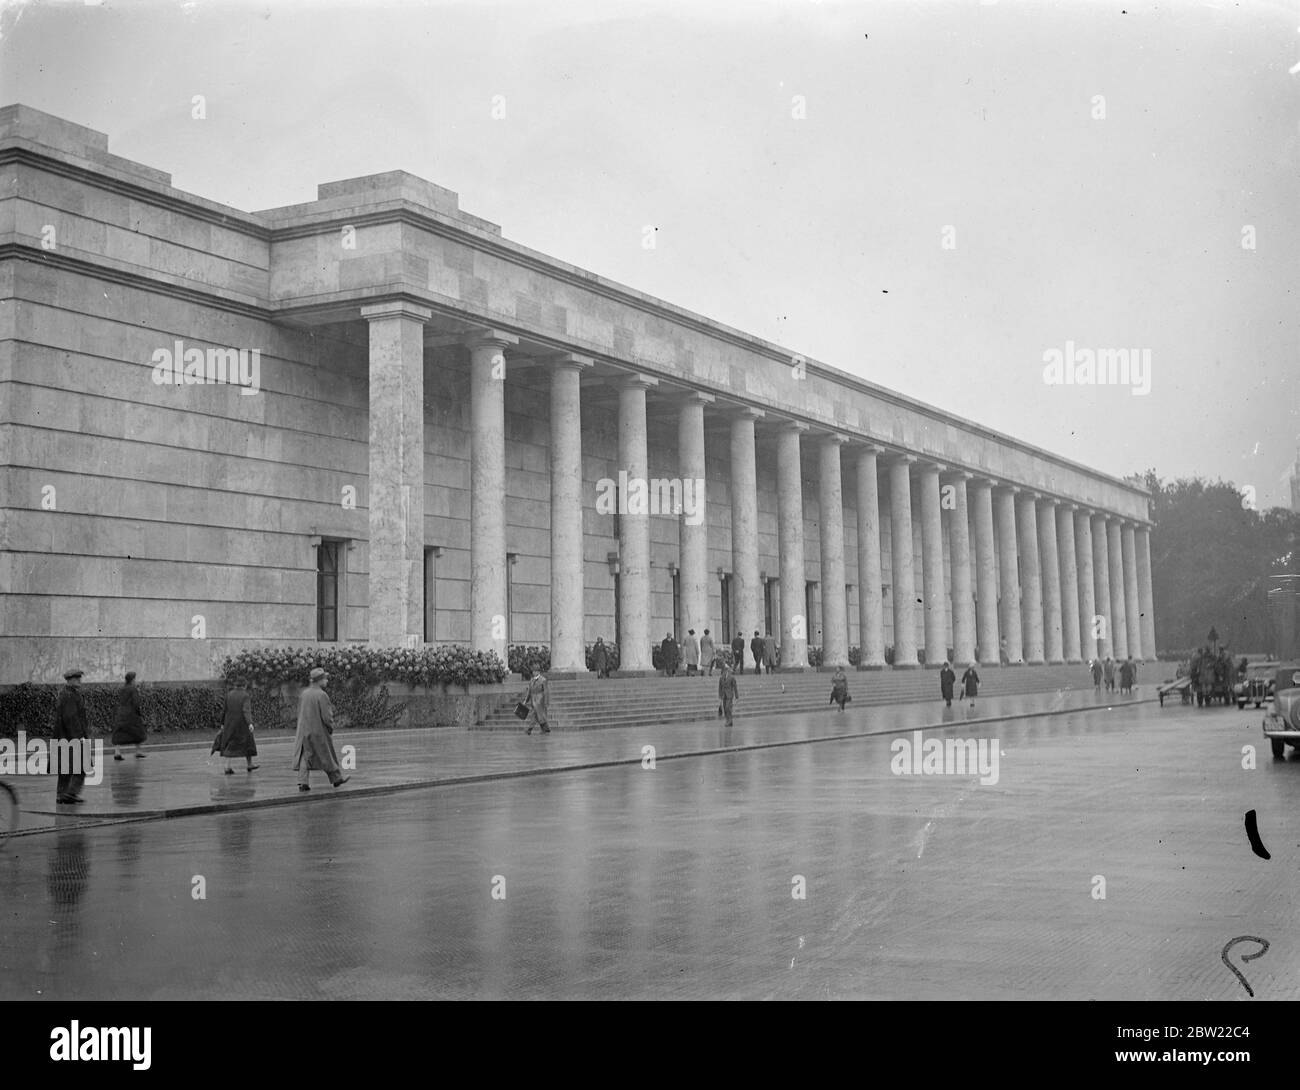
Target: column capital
{"x":571,"y":360}
{"x":698,"y":397}
{"x":957,"y":474}
{"x":1003,"y":486}
{"x":636,"y":380}
{"x":861,"y":447}
{"x":832,"y":437}
{"x":896,"y":457}
{"x":930,"y":463}
{"x":796,"y":426}
{"x":490,"y":338}
{"x":396,"y":308}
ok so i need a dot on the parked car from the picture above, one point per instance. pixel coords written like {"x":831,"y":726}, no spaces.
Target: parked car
{"x":1282,"y":722}
{"x":1257,"y":686}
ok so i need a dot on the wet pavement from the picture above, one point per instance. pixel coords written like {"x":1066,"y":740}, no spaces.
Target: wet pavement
{"x":178,"y":779}
{"x":678,"y":881}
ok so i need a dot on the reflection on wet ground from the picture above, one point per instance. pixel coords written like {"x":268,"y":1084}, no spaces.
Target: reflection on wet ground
{"x":798,"y":872}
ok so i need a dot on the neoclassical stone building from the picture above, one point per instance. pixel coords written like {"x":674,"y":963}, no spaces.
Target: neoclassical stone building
{"x":392,"y":424}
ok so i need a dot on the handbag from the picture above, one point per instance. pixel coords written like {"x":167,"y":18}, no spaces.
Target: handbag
{"x":521,"y":710}
{"x":719,"y":711}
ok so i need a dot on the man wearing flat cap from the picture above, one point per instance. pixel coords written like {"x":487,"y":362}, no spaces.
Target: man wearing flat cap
{"x":70,"y":723}
{"x":313,"y":745}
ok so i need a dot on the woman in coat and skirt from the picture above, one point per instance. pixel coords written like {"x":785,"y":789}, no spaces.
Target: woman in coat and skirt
{"x":236,"y":737}
{"x":128,"y":727}
{"x":313,"y":745}
{"x":970,"y":683}
{"x":946,"y":680}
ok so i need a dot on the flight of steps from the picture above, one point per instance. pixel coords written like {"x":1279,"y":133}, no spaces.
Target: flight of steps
{"x":588,"y":703}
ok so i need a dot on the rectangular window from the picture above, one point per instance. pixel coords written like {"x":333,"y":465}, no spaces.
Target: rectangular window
{"x":618,"y":616}
{"x":677,"y":605}
{"x":430,"y":595}
{"x":329,"y":582}
{"x":510,"y":597}
{"x":768,"y":594}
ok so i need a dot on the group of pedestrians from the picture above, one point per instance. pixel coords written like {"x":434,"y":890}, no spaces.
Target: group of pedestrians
{"x":313,"y":742}
{"x":1111,"y":673}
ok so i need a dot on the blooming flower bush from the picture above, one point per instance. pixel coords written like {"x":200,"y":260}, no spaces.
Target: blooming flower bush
{"x":266,"y":667}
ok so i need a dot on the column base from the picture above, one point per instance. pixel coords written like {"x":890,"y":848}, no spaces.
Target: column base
{"x":795,"y":669}
{"x":1034,"y":662}
{"x":871,"y":666}
{"x":568,"y":675}
{"x":906,"y":666}
{"x":1056,"y":662}
{"x":830,"y":668}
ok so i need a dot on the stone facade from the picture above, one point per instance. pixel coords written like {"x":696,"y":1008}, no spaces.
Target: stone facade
{"x":428,"y":394}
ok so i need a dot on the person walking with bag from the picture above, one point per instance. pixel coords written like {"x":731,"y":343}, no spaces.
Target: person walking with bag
{"x":236,"y":737}
{"x":128,"y":727}
{"x":840,"y":688}
{"x":313,"y":745}
{"x":537,"y":699}
{"x":728,"y":692}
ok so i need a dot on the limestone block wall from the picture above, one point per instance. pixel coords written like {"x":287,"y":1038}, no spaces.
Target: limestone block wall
{"x":131,"y":508}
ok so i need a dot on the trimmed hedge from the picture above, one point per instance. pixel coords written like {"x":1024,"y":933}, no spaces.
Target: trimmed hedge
{"x":267,"y":667}
{"x":166,"y":709}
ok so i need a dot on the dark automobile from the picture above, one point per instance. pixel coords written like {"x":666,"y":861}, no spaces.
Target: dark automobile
{"x":1282,"y":722}
{"x":1257,"y":686}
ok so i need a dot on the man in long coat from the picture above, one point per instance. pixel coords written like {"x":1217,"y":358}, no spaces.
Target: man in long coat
{"x":236,"y":737}
{"x":728,"y":691}
{"x":70,"y":723}
{"x":600,"y":657}
{"x":538,"y":698}
{"x":946,"y":680}
{"x":313,"y":745}
{"x":738,"y":652}
{"x":668,"y":655}
{"x":691,"y":652}
{"x":769,"y":653}
{"x":756,"y":649}
{"x":1096,"y":674}
{"x":708,"y":652}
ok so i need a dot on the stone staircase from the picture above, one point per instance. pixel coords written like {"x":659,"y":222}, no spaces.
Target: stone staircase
{"x":591,"y":704}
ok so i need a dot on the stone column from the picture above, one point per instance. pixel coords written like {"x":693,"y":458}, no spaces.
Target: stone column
{"x":1085,"y":550}
{"x":1004,"y":508}
{"x":830,"y":502}
{"x":396,"y":484}
{"x":871,"y":602}
{"x":1069,"y":581}
{"x":1101,"y":576}
{"x":1146,"y":603}
{"x":963,"y":600}
{"x":789,"y":494}
{"x":744,"y":525}
{"x":935,"y":598}
{"x":1119,"y":626}
{"x":568,"y":645}
{"x":1132,"y":608}
{"x":904,"y":578}
{"x":986,"y":573}
{"x":634,"y":528}
{"x":693,"y":524}
{"x":487,"y":491}
{"x":1050,"y":566}
{"x":1031,"y":578}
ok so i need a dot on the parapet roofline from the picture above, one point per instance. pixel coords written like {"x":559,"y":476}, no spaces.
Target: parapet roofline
{"x":63,"y":140}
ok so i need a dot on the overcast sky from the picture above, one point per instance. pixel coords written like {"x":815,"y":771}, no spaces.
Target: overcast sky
{"x":815,"y":221}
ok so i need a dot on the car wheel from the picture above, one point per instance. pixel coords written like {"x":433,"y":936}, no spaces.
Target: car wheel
{"x":1279,"y":748}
